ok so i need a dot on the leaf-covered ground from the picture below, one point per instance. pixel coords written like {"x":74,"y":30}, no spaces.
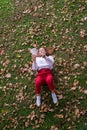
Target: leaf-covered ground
{"x":61,"y":24}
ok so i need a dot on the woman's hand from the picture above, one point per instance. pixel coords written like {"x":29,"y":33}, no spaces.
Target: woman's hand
{"x":43,"y":55}
{"x":34,"y":58}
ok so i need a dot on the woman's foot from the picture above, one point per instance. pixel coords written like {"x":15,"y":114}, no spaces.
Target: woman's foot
{"x":38,"y":101}
{"x":54,"y":97}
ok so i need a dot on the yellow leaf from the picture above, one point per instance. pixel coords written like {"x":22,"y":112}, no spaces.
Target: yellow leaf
{"x":18,"y":56}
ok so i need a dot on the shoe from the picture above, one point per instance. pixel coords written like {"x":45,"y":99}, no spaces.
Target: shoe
{"x":54,"y":97}
{"x":38,"y":101}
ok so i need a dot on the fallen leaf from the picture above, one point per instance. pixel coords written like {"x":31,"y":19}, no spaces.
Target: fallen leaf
{"x":4,"y":111}
{"x":18,"y":56}
{"x":85,"y":63}
{"x":8,"y":75}
{"x":37,"y":126}
{"x":2,"y":51}
{"x":85,"y":47}
{"x":77,"y":113}
{"x":60,"y":96}
{"x":85,"y":91}
{"x":75,"y":83}
{"x":53,"y":128}
{"x":42,"y":116}
{"x":73,"y":88}
{"x":59,"y":116}
{"x":82,"y":33}
{"x":6,"y":63}
{"x":26,"y":124}
{"x":76,"y":66}
{"x":86,"y":82}
{"x":32,"y":106}
{"x":41,"y":121}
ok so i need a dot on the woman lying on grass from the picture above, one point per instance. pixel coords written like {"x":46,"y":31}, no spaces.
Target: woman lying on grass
{"x":44,"y":65}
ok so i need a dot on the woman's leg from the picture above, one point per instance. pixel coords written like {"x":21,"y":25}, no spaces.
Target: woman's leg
{"x":38,"y":84}
{"x":50,"y":82}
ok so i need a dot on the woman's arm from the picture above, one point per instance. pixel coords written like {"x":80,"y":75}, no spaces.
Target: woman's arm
{"x":50,"y":59}
{"x":34,"y":65}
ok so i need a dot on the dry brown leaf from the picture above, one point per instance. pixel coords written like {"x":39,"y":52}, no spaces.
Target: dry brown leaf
{"x":32,"y":106}
{"x":26,"y":124}
{"x":60,"y":72}
{"x":82,"y":33}
{"x":73,"y":88}
{"x":28,"y":117}
{"x":36,"y":122}
{"x":42,"y":116}
{"x":77,"y":113}
{"x":2,"y":51}
{"x":76,"y":66}
{"x":56,"y":128}
{"x":27,"y":11}
{"x":85,"y":91}
{"x":4,"y":112}
{"x":85,"y":63}
{"x":37,"y":126}
{"x":60,"y":96}
{"x":43,"y":106}
{"x":41,"y":121}
{"x":32,"y":115}
{"x":1,"y":71}
{"x":8,"y":75}
{"x":59,"y":116}
{"x":45,"y":109}
{"x":50,"y":109}
{"x":53,"y":128}
{"x":85,"y":47}
{"x":69,"y":128}
{"x":6,"y":63}
{"x":75,"y":83}
{"x":86,"y":82}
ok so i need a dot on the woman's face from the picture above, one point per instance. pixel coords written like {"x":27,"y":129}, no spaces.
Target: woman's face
{"x":42,"y":52}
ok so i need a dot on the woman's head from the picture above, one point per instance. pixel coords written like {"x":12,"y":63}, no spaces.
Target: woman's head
{"x":42,"y":51}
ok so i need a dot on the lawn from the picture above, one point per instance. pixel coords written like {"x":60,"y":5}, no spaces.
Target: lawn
{"x":61,"y":24}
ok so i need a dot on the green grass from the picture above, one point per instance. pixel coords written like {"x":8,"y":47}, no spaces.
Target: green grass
{"x":25,"y":24}
{"x":5,"y":8}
